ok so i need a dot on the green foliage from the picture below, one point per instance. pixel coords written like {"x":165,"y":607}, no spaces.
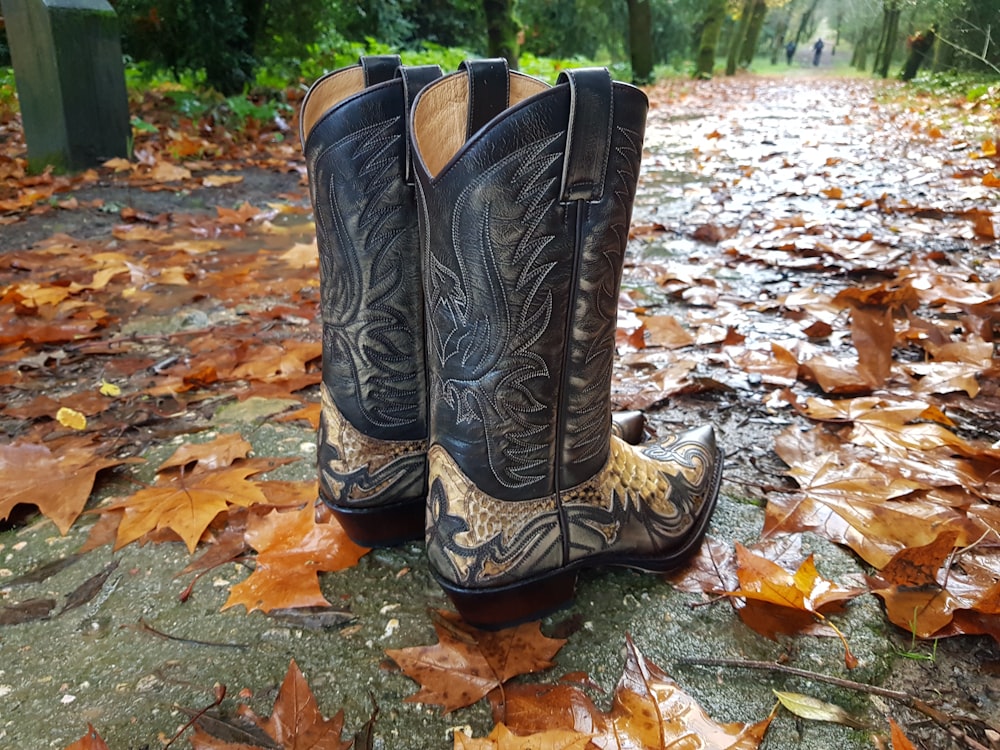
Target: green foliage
{"x":209,"y":36}
{"x":967,"y":85}
{"x":548,"y":68}
{"x":8,"y":94}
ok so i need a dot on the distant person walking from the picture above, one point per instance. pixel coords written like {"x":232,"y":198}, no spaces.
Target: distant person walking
{"x":817,"y":51}
{"x":789,"y":52}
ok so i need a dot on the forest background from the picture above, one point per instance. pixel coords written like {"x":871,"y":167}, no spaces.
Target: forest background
{"x":257,"y":48}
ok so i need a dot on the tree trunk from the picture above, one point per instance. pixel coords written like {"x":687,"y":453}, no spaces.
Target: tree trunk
{"x":887,"y":40}
{"x":253,"y":22}
{"x":640,"y":37}
{"x":805,"y":21}
{"x":715,"y":15}
{"x":781,"y":29}
{"x":920,"y":46}
{"x":753,"y":32}
{"x":502,"y":30}
{"x":859,"y":58}
{"x":736,"y":43}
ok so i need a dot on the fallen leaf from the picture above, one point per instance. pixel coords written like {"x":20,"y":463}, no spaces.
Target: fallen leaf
{"x":808,"y":707}
{"x":501,"y":738}
{"x":291,"y":550}
{"x":71,"y":418}
{"x":296,"y":721}
{"x":217,"y":453}
{"x":899,"y":740}
{"x":218,"y":180}
{"x":58,"y":483}
{"x":187,"y":504}
{"x":468,"y":663}
{"x":649,"y":710}
{"x":294,"y":724}
{"x":90,"y":741}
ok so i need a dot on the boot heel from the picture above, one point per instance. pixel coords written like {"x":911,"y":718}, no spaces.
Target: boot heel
{"x":505,"y":607}
{"x":383,"y":525}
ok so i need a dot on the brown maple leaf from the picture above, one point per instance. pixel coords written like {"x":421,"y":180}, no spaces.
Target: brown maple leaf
{"x":649,"y":712}
{"x":468,"y":663}
{"x":90,"y":741}
{"x":922,"y":594}
{"x":214,"y":454}
{"x":57,"y":481}
{"x":292,"y":548}
{"x":295,"y":723}
{"x":850,"y":498}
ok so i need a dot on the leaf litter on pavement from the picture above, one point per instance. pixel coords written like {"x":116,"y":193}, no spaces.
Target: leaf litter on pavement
{"x":818,"y":255}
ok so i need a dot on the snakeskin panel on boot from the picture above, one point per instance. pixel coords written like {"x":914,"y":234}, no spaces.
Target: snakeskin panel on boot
{"x":526,"y":194}
{"x":372,"y":440}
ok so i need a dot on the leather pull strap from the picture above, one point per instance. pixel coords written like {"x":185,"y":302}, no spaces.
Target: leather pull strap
{"x":378,"y":68}
{"x":489,"y":91}
{"x":414,"y":78}
{"x":588,"y":133}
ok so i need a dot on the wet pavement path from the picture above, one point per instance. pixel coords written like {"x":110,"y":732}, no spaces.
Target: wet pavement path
{"x":760,"y":199}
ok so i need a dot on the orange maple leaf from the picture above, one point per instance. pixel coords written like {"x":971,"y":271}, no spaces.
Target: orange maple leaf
{"x":914,"y":597}
{"x":187,"y":503}
{"x":468,"y":663}
{"x":90,"y":741}
{"x":291,"y":550}
{"x":501,"y":738}
{"x":214,"y":454}
{"x":899,"y":740}
{"x":778,"y":601}
{"x":58,"y":483}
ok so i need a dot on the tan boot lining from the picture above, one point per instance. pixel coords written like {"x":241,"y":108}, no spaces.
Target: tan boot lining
{"x":442,"y":115}
{"x":328,"y":92}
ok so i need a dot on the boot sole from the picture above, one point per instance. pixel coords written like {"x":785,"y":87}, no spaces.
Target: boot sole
{"x":387,"y":525}
{"x":536,"y":597}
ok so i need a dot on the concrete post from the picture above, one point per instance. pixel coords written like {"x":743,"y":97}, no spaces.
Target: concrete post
{"x":70,"y":81}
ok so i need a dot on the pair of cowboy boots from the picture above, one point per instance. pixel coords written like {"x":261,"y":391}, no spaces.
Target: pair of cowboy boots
{"x":471,"y":232}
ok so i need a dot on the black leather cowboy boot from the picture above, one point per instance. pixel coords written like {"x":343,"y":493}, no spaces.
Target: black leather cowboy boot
{"x":372,"y":442}
{"x":525,"y":196}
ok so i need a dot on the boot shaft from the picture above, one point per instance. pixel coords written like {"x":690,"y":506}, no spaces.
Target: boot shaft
{"x":525,"y":197}
{"x":353,"y":128}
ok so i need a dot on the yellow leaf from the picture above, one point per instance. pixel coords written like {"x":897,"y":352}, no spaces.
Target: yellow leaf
{"x":71,"y":418}
{"x":110,"y":389}
{"x":218,"y":180}
{"x":807,"y":707}
{"x":118,"y":164}
{"x":302,"y":255}
{"x":167,"y":172}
